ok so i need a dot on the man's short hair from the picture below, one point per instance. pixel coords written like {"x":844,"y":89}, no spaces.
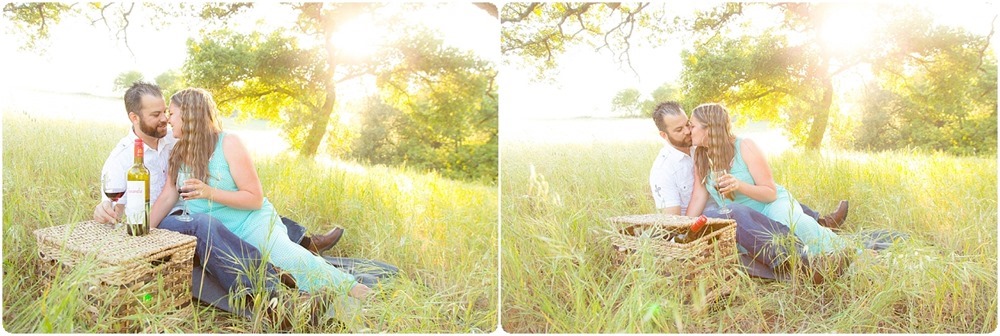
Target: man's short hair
{"x":665,"y":109}
{"x":133,"y":96}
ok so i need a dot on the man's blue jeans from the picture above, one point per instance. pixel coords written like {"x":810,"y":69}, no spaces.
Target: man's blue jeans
{"x":760,"y":252}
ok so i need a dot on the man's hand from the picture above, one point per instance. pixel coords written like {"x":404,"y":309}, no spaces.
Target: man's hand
{"x":103,"y":213}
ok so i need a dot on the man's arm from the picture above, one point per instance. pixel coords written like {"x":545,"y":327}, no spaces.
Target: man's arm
{"x":103,"y":213}
{"x":674,"y":210}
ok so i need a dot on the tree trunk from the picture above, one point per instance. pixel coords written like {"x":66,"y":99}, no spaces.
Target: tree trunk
{"x":321,"y":117}
{"x":821,"y":117}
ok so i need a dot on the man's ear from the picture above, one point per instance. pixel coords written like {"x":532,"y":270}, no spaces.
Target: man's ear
{"x":135,"y":117}
{"x":664,"y":135}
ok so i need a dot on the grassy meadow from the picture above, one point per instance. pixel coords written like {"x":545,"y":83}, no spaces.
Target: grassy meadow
{"x":558,"y":276}
{"x":441,"y":234}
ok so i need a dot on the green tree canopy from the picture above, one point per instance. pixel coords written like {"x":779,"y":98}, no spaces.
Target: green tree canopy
{"x":448,"y":102}
{"x":626,"y":102}
{"x":287,"y":76}
{"x":171,"y":81}
{"x":936,"y":90}
{"x":125,"y":79}
{"x":785,"y":71}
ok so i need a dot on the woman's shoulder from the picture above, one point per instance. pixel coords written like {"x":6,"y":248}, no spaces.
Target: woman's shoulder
{"x":230,"y":139}
{"x":232,"y":142}
{"x":747,"y":145}
{"x":743,"y":141}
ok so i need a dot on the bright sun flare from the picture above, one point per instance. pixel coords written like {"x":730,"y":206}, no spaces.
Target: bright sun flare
{"x":847,"y":29}
{"x":358,"y":38}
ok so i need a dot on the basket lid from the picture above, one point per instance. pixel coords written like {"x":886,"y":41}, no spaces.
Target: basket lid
{"x":654,"y":219}
{"x":108,"y":244}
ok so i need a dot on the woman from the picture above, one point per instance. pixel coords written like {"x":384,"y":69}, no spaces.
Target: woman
{"x":234,"y":194}
{"x":748,"y":179}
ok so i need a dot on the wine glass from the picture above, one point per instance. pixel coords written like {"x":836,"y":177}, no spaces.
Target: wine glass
{"x":114,"y":189}
{"x":183,"y":173}
{"x":723,"y":209}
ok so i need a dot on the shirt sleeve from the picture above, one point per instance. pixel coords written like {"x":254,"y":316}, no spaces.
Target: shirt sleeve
{"x":665,"y":193}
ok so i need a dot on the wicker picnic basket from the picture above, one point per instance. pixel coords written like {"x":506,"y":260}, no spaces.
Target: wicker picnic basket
{"x":131,"y":270}
{"x":648,"y":231}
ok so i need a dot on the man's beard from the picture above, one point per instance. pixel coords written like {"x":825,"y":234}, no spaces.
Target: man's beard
{"x":680,"y":143}
{"x":152,"y":130}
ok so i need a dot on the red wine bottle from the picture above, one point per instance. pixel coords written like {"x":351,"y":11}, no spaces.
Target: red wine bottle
{"x":694,"y":232}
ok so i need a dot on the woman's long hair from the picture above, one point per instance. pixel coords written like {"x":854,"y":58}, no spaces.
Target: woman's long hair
{"x":199,"y":133}
{"x":720,"y":146}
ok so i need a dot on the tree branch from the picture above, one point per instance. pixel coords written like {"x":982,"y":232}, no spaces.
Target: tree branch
{"x":629,"y":20}
{"x":490,"y":8}
{"x":546,"y":41}
{"x":123,"y":30}
{"x":522,"y":15}
{"x":243,"y":94}
{"x":986,"y":44}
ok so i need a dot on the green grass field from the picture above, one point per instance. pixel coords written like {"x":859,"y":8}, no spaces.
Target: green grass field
{"x":442,"y":235}
{"x":557,"y":274}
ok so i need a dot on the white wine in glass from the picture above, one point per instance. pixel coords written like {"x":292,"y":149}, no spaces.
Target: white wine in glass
{"x":723,"y":209}
{"x":183,"y":173}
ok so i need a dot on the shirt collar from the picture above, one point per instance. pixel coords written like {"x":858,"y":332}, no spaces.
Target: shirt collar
{"x":673,"y":154}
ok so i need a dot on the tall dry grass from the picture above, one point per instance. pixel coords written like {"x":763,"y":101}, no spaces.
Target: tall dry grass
{"x":558,"y":275}
{"x":442,"y":235}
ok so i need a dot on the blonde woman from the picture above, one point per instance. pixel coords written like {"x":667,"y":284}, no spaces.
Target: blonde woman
{"x":234,"y":195}
{"x":748,"y":179}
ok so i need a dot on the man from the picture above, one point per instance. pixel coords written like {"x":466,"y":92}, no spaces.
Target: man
{"x":671,"y":180}
{"x":226,"y":259}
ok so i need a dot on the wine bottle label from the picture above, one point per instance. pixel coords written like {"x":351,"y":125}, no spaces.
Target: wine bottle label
{"x":136,"y":205}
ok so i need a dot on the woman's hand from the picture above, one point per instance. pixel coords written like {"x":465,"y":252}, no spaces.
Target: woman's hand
{"x":728,"y":184}
{"x":195,"y":189}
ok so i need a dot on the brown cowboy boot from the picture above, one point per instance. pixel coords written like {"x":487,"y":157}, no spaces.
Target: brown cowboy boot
{"x":284,"y":277}
{"x":835,"y":219}
{"x":320,"y":243}
{"x":826,"y":267}
{"x":277,"y":311}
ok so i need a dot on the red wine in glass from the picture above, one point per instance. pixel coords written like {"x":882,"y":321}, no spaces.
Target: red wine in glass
{"x":114,"y":195}
{"x":113,"y":188}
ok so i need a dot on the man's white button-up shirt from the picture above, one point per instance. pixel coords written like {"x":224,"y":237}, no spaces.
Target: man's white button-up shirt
{"x":156,"y":161}
{"x":672,"y":178}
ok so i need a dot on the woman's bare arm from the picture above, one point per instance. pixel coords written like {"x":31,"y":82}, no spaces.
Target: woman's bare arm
{"x":763,"y":189}
{"x":699,"y":197}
